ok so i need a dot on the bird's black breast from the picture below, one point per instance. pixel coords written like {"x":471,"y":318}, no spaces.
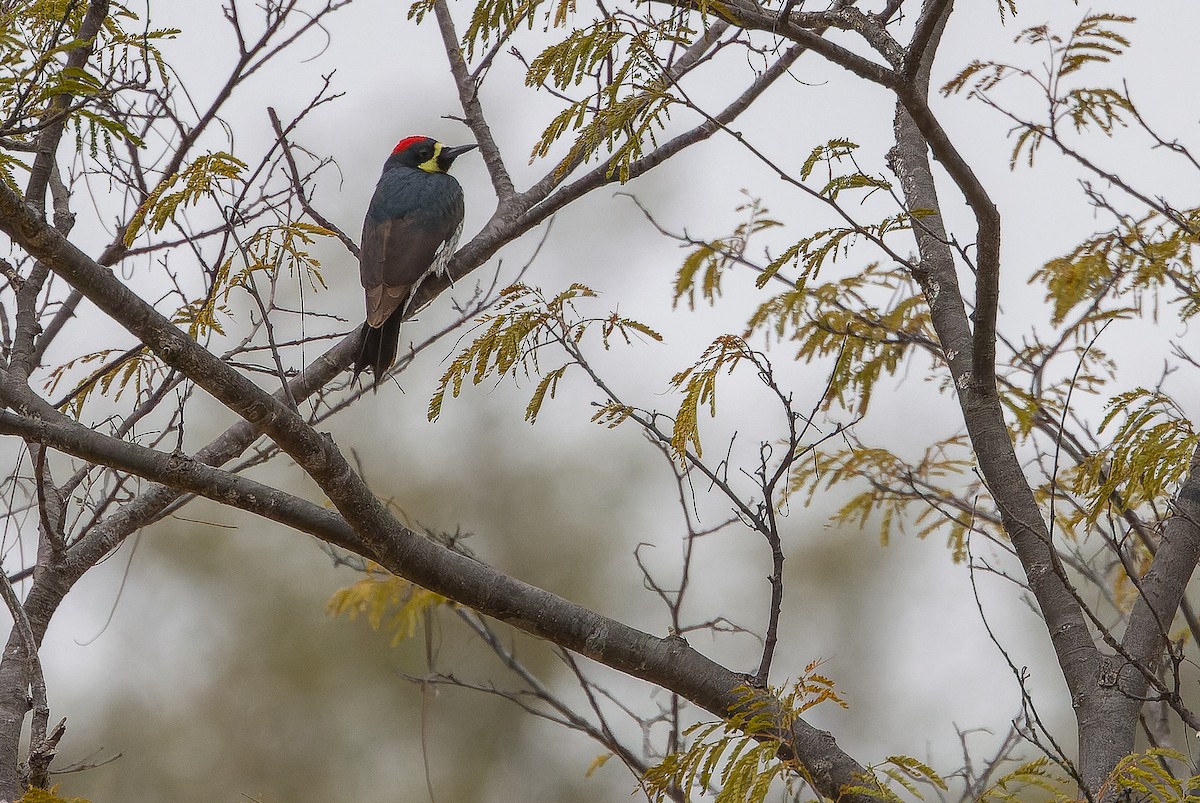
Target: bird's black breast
{"x":406,"y":192}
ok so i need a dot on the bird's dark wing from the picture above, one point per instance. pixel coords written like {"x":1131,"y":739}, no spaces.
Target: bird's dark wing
{"x":394,"y":255}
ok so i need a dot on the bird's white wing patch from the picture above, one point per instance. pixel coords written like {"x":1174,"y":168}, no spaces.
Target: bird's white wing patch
{"x":441,"y":258}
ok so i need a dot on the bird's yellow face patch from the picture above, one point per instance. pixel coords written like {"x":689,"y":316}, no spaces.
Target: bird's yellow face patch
{"x":431,"y":165}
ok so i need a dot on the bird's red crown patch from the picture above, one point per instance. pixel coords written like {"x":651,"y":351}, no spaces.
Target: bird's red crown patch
{"x":407,"y":143}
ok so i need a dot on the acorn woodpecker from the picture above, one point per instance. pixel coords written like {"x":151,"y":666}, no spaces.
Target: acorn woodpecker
{"x":410,"y":231}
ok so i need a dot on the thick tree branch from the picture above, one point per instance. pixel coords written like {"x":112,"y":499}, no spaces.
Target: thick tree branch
{"x":929,"y":26}
{"x":44,"y":425}
{"x":468,"y":96}
{"x":40,"y":752}
{"x":55,"y":119}
{"x":987,"y":237}
{"x":751,"y":16}
{"x":850,"y":18}
{"x":1075,"y":649}
{"x":1162,"y":587}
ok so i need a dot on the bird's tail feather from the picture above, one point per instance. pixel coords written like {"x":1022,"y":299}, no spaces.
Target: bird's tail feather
{"x":377,"y":348}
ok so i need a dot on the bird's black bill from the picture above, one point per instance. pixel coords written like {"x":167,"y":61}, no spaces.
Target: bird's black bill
{"x":448,"y":155}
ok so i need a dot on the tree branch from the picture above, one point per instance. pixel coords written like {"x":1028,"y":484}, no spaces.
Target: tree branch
{"x":929,"y":27}
{"x":40,"y":751}
{"x":183,"y":473}
{"x":55,"y":119}
{"x":1164,"y":584}
{"x":751,"y":16}
{"x":1077,"y":654}
{"x":468,"y":96}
